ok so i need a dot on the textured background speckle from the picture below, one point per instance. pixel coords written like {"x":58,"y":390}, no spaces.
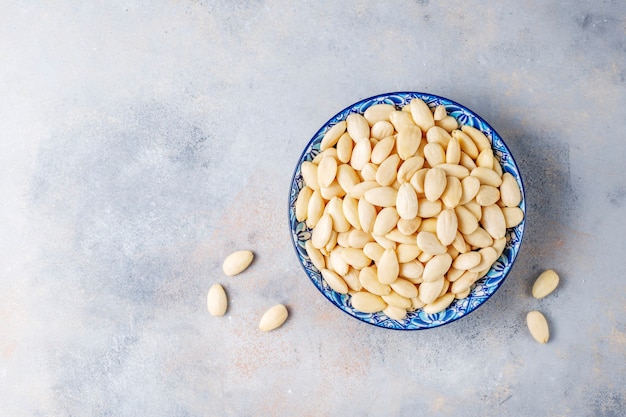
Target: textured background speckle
{"x":142,"y":142}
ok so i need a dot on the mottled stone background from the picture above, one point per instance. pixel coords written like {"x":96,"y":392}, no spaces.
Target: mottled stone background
{"x":141,"y":142}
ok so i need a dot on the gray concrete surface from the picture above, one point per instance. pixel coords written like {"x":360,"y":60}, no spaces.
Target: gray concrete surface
{"x":141,"y":142}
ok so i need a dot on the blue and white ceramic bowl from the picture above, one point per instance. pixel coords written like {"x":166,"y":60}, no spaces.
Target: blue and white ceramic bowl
{"x":481,"y":290}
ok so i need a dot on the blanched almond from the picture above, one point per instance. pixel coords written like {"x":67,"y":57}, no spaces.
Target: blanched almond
{"x":438,"y":135}
{"x":474,"y":208}
{"x":479,"y":238}
{"x":367,"y":302}
{"x":396,"y":300}
{"x":409,"y":227}
{"x":387,"y":171}
{"x":273,"y":318}
{"x":451,"y":196}
{"x":369,"y":280}
{"x":447,"y":226}
{"x":373,"y":251}
{"x":322,"y":231}
{"x":381,"y":129}
{"x":437,"y":267}
{"x":351,"y":211}
{"x":422,"y":115}
{"x":429,"y":225}
{"x":381,"y":196}
{"x":344,"y":148}
{"x":332,"y":135}
{"x":386,"y":221}
{"x":359,"y":190}
{"x":470,"y":186}
{"x":347,"y":177}
{"x":417,"y":180}
{"x":439,"y":304}
{"x":302,"y":203}
{"x":485,"y":159}
{"x":454,"y":170}
{"x":467,"y":162}
{"x":466,"y":261}
{"x":217,"y":303}
{"x":335,"y":210}
{"x":407,"y":141}
{"x":440,"y":112}
{"x":367,"y":215}
{"x":237,"y":262}
{"x":464,"y":282}
{"x":434,"y":183}
{"x":369,"y":171}
{"x":512,"y":216}
{"x":538,"y":326}
{"x":510,"y":191}
{"x":480,"y":140}
{"x":395,"y":313}
{"x":355,"y":258}
{"x":453,"y":151}
{"x":388,"y":267}
{"x":412,"y":270}
{"x":467,"y":144}
{"x":406,"y":202}
{"x":487,"y":195}
{"x":352,"y":279}
{"x":409,"y":168}
{"x":429,"y":290}
{"x":434,"y":154}
{"x":493,"y":221}
{"x":401,"y":119}
{"x":333,"y":190}
{"x":487,"y":257}
{"x":404,"y":287}
{"x":336,"y":261}
{"x":546,"y":282}
{"x":358,"y":238}
{"x":459,"y":243}
{"x":399,"y":237}
{"x":427,"y":209}
{"x":316,"y":257}
{"x":429,"y":244}
{"x":467,"y":221}
{"x":486,"y":176}
{"x":378,"y":112}
{"x":334,"y":281}
{"x":357,"y":127}
{"x":361,"y":154}
{"x":309,"y":174}
{"x":448,"y":123}
{"x":383,"y":149}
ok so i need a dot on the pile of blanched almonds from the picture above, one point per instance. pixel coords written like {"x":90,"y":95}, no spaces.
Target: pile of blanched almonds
{"x":407,"y":209}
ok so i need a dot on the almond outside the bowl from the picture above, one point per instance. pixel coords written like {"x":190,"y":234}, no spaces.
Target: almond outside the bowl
{"x":237,"y":262}
{"x":273,"y":318}
{"x":538,"y":326}
{"x":546,"y":282}
{"x":217,"y":302}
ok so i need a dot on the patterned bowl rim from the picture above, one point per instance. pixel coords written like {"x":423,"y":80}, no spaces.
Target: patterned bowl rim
{"x":484,"y":288}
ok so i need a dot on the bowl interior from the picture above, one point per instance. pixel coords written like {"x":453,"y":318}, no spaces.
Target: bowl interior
{"x":482,"y":289}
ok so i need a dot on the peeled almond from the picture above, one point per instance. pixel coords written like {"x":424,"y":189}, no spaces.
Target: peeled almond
{"x":216,"y":300}
{"x":332,"y":135}
{"x":367,"y":302}
{"x":546,"y":282}
{"x":538,"y":326}
{"x":237,"y":262}
{"x":273,"y":318}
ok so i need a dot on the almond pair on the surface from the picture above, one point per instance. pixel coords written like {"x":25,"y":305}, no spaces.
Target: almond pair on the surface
{"x":545,"y":283}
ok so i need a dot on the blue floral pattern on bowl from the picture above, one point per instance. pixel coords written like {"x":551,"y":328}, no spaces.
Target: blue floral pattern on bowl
{"x":481,"y":290}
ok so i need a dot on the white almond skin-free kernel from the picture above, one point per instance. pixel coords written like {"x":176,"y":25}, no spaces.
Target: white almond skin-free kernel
{"x":309,"y":174}
{"x":487,"y":176}
{"x":373,"y":251}
{"x":217,"y":302}
{"x":408,"y":141}
{"x":430,"y":244}
{"x":237,"y":262}
{"x":378,"y":112}
{"x":367,"y":302}
{"x":467,"y":221}
{"x":429,"y":290}
{"x":434,"y":154}
{"x":440,"y":112}
{"x":273,"y":318}
{"x":412,"y":271}
{"x":422,"y":115}
{"x":355,"y":257}
{"x":467,"y":144}
{"x":358,"y":238}
{"x":359,"y":190}
{"x":479,"y":238}
{"x":335,"y":210}
{"x":439,"y":135}
{"x":538,"y":326}
{"x":344,"y":148}
{"x":322,"y":231}
{"x":493,"y":221}
{"x":488,"y":257}
{"x":434,"y":184}
{"x":487,"y":195}
{"x":512,"y":216}
{"x":381,"y":129}
{"x":546,"y":282}
{"x":383,"y":149}
{"x":369,"y":171}
{"x":408,"y":168}
{"x":361,"y":154}
{"x":485,"y":159}
{"x":447,"y":226}
{"x":454,"y":170}
{"x":470,"y":186}
{"x":448,"y":123}
{"x":386,"y":221}
{"x":401,"y":120}
{"x":387,"y":171}
{"x":395,"y":313}
{"x":396,"y":300}
{"x":436,"y":267}
{"x":429,"y":225}
{"x":332,"y":135}
{"x":351,"y":211}
{"x":347,"y":177}
{"x":466,"y":261}
{"x":302,"y":203}
{"x":381,"y":196}
{"x":352,"y":279}
{"x":406,"y":202}
{"x":404,"y":287}
{"x":480,"y":140}
{"x":464,"y":282}
{"x":439,"y":304}
{"x":315,"y":255}
{"x":334,"y":281}
{"x":474,"y":208}
{"x":369,"y":280}
{"x":388,"y":267}
{"x":336,"y":262}
{"x":467,"y":162}
{"x":407,"y":252}
{"x":409,"y":227}
{"x":509,"y":191}
{"x":453,"y":192}
{"x":357,"y":127}
{"x":453,"y":152}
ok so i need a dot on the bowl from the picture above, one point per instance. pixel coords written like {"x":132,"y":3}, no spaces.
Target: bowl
{"x":482,"y":290}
